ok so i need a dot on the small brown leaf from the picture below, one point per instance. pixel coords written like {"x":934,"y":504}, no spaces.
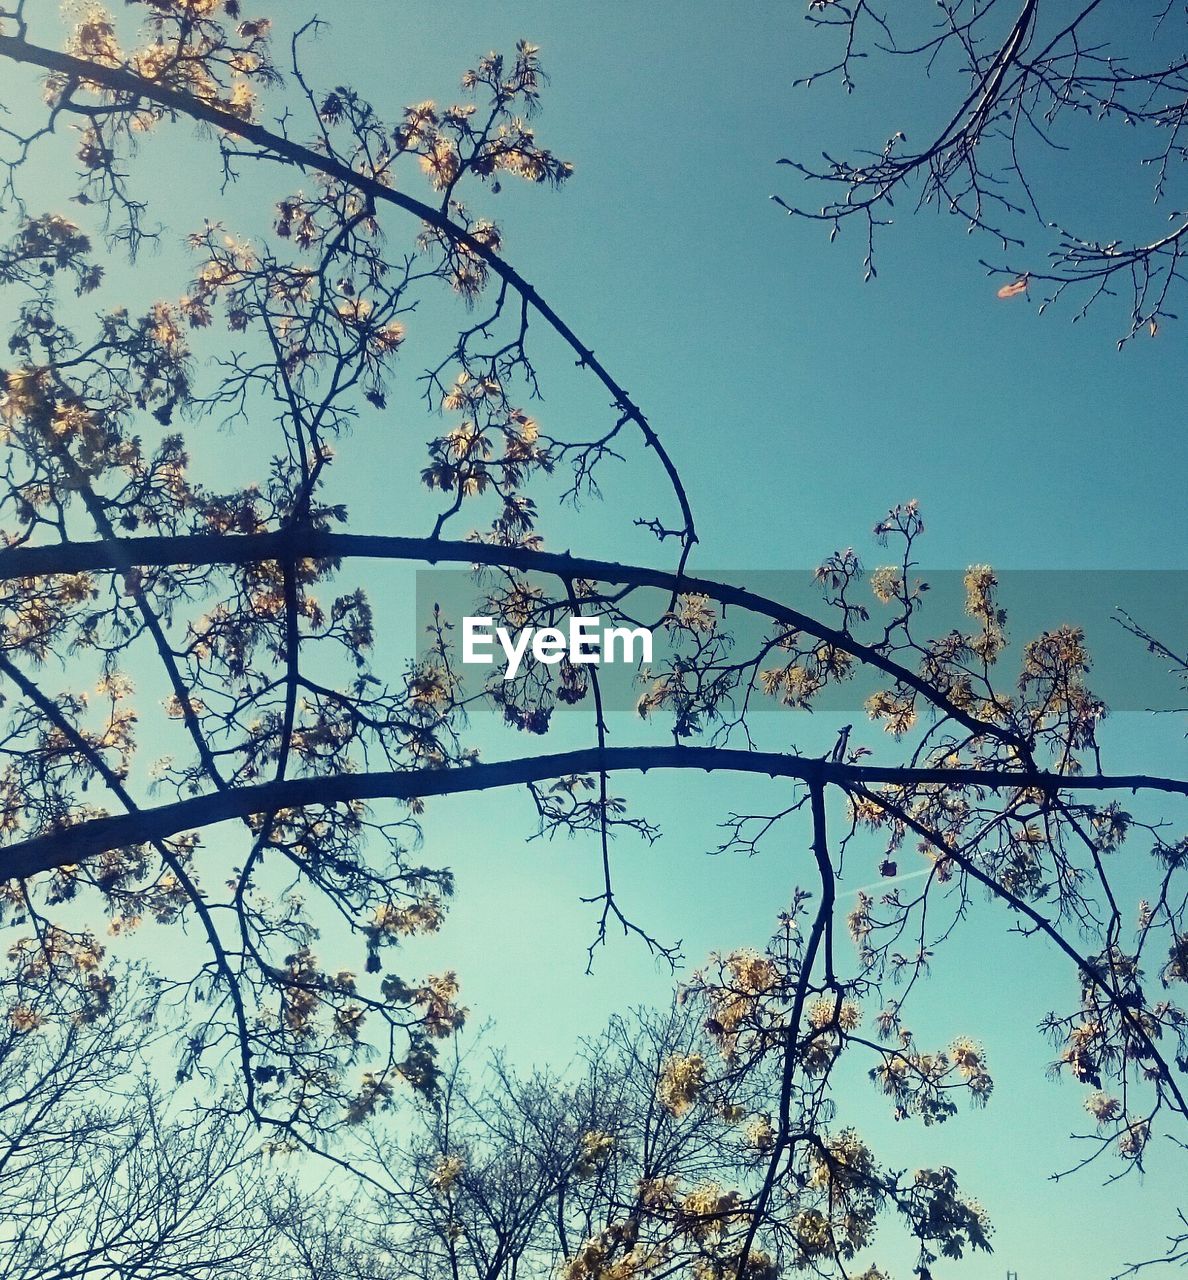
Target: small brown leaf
{"x":1013,"y":289}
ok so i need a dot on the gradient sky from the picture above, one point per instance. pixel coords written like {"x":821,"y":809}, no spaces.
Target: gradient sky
{"x":799,"y":404}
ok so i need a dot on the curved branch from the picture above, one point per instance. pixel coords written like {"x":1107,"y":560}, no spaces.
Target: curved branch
{"x":1085,"y":966}
{"x":120,"y":80}
{"x":73,"y":844}
{"x":196,"y":549}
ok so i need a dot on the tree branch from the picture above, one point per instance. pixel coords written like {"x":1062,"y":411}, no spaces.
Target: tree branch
{"x":73,"y":844}
{"x":119,"y":80}
{"x":76,"y":557}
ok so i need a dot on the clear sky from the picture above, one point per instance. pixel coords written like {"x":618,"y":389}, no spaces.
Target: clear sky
{"x":799,"y":404}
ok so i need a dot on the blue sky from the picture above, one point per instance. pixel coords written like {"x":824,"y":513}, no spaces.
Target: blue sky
{"x":799,"y":404}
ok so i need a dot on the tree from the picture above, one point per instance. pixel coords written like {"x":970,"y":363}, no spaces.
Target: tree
{"x":102,"y":1175}
{"x":231,"y":592}
{"x":93,"y":1178}
{"x":651,"y":1157}
{"x":1016,"y":85}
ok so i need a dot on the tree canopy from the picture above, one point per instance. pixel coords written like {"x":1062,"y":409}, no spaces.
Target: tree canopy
{"x":209,"y":752}
{"x":1020,"y":84}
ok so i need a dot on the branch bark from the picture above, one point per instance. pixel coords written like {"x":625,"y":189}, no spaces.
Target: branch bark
{"x":119,"y":80}
{"x":73,"y":844}
{"x":197,"y":549}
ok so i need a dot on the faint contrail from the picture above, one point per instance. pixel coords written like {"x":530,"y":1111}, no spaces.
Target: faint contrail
{"x":878,"y":884}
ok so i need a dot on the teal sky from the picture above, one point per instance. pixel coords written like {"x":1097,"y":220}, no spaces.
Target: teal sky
{"x":799,"y":404}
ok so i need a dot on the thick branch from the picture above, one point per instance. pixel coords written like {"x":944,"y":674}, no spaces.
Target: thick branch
{"x":119,"y":80}
{"x":78,"y":557}
{"x":73,"y":844}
